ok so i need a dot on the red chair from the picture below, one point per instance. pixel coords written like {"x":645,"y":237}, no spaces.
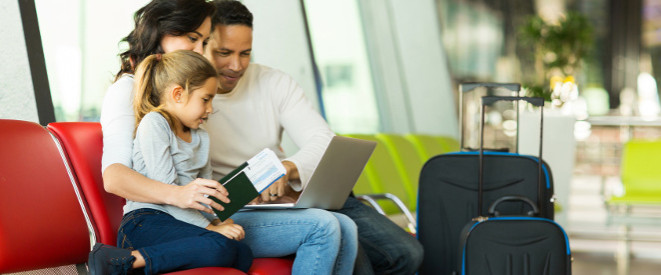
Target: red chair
{"x":42,"y":223}
{"x":83,"y":144}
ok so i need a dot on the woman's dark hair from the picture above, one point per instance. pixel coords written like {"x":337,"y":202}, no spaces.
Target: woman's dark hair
{"x":157,"y":19}
{"x":231,"y":12}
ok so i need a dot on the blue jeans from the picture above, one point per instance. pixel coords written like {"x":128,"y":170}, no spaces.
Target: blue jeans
{"x":168,"y":244}
{"x":384,"y":247}
{"x":324,"y":242}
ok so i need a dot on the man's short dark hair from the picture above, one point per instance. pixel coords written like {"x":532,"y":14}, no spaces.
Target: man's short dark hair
{"x":231,"y":12}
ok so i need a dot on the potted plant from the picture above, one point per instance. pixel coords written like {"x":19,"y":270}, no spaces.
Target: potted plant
{"x":559,"y":48}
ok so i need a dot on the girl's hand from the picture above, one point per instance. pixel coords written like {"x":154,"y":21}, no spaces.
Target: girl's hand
{"x":195,"y":193}
{"x":228,"y":229}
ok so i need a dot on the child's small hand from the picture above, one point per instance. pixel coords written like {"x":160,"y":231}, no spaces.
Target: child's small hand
{"x":228,"y":229}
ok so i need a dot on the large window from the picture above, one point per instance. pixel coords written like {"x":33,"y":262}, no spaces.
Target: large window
{"x":340,"y":52}
{"x":81,"y":47}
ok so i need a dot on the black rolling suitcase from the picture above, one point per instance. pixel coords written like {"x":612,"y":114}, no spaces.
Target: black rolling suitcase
{"x":447,"y":198}
{"x":518,"y":244}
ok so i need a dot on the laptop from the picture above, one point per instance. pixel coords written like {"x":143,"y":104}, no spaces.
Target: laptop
{"x":332,"y":180}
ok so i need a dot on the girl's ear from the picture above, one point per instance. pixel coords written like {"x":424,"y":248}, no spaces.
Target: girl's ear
{"x":176,"y":93}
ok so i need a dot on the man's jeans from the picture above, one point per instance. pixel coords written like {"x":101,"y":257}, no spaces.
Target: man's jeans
{"x":168,"y":244}
{"x":384,"y":247}
{"x":324,"y":242}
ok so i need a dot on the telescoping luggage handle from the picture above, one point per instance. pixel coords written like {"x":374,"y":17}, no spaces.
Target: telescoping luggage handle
{"x":489,"y":100}
{"x":469,"y":86}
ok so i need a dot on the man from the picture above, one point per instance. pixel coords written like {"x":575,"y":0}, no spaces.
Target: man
{"x":254,"y":105}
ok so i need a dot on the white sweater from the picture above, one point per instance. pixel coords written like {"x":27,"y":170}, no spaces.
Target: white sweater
{"x":118,"y":123}
{"x":253,"y":116}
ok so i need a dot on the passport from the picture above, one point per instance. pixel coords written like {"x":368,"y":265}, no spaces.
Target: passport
{"x":248,"y":180}
{"x":241,"y":192}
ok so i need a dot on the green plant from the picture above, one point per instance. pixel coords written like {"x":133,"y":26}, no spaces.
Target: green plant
{"x":558,"y":49}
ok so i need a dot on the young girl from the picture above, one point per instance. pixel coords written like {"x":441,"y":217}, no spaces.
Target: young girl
{"x":172,"y":99}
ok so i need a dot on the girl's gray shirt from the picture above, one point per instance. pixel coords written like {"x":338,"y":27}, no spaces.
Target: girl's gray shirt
{"x":160,"y":155}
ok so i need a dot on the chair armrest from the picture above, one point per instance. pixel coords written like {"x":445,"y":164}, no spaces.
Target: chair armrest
{"x":373,"y":198}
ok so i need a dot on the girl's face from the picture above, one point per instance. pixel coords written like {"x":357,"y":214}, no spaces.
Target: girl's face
{"x":193,"y":41}
{"x":193,"y":109}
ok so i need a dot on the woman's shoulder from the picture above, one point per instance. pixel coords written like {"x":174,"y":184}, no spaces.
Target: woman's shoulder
{"x":124,"y":83}
{"x":121,"y":91}
{"x":118,"y":100}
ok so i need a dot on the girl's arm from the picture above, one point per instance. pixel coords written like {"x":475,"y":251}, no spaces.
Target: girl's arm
{"x":127,"y":183}
{"x":118,"y":122}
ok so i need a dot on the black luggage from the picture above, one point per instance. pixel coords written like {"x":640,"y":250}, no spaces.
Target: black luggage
{"x":448,"y":198}
{"x":514,"y":245}
{"x":519,"y":244}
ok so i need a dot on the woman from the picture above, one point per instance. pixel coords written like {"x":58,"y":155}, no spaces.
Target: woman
{"x":165,"y":26}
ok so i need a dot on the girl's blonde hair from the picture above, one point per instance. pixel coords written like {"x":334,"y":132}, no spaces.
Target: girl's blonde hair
{"x":155,"y":73}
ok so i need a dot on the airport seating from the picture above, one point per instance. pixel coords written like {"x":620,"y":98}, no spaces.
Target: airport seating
{"x":388,"y":192}
{"x":407,"y":161}
{"x":83,"y":144}
{"x":640,"y":203}
{"x":641,"y":180}
{"x":429,"y":145}
{"x":640,"y":174}
{"x":42,"y":223}
{"x":392,"y":172}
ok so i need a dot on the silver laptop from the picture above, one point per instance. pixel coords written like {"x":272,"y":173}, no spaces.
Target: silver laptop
{"x":332,"y":180}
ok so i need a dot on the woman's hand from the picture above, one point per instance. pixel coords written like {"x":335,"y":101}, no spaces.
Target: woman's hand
{"x":228,"y":229}
{"x":195,"y":193}
{"x":281,"y":187}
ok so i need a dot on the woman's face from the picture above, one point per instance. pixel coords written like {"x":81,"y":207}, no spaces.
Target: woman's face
{"x":194,"y":41}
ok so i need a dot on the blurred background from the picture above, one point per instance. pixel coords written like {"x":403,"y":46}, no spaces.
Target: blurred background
{"x":395,"y":66}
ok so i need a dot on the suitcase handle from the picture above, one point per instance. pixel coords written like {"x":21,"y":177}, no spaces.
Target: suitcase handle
{"x":488,"y":100}
{"x":469,"y":86}
{"x":535,"y":101}
{"x":494,"y":205}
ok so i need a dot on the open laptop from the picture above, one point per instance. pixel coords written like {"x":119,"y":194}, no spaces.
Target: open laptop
{"x":332,"y":180}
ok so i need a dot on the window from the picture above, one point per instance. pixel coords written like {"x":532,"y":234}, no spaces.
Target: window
{"x":81,"y":47}
{"x":340,"y":53}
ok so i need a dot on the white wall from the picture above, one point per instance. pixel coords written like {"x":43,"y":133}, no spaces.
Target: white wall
{"x":16,"y":91}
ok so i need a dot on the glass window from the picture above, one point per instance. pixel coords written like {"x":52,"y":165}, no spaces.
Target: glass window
{"x":81,"y":47}
{"x":340,"y":53}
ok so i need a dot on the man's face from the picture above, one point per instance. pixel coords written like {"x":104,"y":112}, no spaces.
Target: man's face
{"x":229,"y":51}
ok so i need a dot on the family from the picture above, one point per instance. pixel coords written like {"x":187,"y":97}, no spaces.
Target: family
{"x":187,"y":107}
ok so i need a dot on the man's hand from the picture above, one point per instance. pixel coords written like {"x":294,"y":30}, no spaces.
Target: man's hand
{"x":228,"y":229}
{"x":281,"y":187}
{"x":195,"y":193}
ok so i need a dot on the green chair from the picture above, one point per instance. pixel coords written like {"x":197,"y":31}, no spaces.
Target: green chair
{"x":407,"y":160}
{"x":640,"y":204}
{"x":451,"y":144}
{"x":427,"y":145}
{"x":640,"y":173}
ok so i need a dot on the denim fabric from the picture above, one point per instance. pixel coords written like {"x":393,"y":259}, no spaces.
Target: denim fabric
{"x":168,"y":244}
{"x":384,"y":247}
{"x":324,"y":242}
